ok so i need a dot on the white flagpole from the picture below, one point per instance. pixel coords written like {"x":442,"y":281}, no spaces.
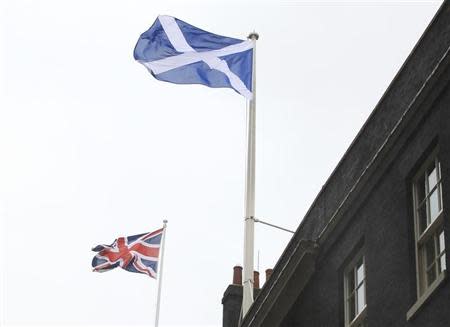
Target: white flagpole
{"x":249,"y":227}
{"x":160,"y":271}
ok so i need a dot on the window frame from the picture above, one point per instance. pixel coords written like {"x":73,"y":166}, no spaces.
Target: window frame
{"x":352,"y":267}
{"x":434,"y":226}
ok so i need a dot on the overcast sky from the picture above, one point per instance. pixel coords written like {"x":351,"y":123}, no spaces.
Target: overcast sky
{"x":92,"y":147}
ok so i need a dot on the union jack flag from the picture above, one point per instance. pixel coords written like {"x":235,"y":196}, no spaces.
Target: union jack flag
{"x":137,"y":253}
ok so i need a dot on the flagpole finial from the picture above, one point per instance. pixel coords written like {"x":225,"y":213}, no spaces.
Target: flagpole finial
{"x":253,"y":36}
{"x":165,"y":221}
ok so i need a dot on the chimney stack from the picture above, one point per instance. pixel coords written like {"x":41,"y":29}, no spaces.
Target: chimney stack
{"x":268,"y":274}
{"x":237,"y":275}
{"x":232,"y":300}
{"x":256,"y":279}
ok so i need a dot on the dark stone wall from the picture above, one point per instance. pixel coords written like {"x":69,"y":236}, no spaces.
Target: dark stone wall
{"x":232,"y":303}
{"x":382,"y":225}
{"x":397,"y":98}
{"x":409,"y":121}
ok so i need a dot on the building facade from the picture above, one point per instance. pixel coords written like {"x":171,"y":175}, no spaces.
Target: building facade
{"x":373,"y":249}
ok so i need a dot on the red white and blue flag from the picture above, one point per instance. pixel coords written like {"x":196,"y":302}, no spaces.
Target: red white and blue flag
{"x":137,"y":253}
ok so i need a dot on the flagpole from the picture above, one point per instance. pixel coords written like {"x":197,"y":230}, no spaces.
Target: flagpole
{"x":249,"y":222}
{"x":159,"y":272}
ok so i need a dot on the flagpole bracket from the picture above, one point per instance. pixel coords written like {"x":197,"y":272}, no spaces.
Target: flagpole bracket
{"x":256,"y":220}
{"x":248,"y":281}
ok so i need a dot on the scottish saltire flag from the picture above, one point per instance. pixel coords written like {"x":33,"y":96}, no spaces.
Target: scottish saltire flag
{"x":137,"y":253}
{"x":176,"y":52}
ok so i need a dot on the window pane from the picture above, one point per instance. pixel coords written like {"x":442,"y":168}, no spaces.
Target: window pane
{"x":442,"y":260}
{"x":432,"y":178}
{"x":442,"y":265}
{"x":434,"y":205}
{"x":361,"y":297}
{"x":360,"y":273}
{"x":430,"y":260}
{"x":351,"y":308}
{"x":439,"y":168}
{"x":441,"y":242}
{"x":420,"y":189}
{"x":422,"y":212}
{"x":430,"y":253}
{"x":351,"y":282}
{"x":431,"y":274}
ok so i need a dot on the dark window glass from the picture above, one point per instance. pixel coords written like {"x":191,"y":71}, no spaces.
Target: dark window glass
{"x":422,"y":213}
{"x":351,"y":308}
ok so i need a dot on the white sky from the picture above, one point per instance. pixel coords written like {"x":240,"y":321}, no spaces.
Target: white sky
{"x":92,"y":147}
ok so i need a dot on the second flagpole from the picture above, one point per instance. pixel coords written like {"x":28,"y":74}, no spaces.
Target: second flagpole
{"x":160,"y":271}
{"x":249,"y":227}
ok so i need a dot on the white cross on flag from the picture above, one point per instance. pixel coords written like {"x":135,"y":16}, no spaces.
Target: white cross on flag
{"x":176,"y":52}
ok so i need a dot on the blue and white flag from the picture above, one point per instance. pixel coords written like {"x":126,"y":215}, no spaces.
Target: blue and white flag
{"x":176,"y":52}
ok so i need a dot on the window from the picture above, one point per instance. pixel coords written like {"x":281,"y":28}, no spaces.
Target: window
{"x":355,"y":292}
{"x":429,"y":224}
